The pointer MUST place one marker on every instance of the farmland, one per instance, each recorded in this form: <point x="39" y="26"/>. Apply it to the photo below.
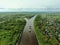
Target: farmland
<point x="47" y="29"/>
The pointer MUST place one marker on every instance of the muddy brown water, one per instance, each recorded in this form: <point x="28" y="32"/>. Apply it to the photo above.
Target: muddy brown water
<point x="28" y="36"/>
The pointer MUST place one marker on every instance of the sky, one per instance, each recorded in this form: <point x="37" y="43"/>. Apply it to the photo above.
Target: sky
<point x="6" y="5"/>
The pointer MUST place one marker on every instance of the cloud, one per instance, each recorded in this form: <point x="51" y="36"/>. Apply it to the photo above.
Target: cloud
<point x="29" y="3"/>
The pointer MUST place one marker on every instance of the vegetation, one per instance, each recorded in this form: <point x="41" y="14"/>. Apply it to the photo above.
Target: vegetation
<point x="11" y="28"/>
<point x="47" y="29"/>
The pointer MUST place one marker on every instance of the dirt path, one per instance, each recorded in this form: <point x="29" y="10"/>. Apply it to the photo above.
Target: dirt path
<point x="28" y="36"/>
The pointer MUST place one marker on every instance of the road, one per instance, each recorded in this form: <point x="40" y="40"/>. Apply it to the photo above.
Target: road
<point x="28" y="36"/>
